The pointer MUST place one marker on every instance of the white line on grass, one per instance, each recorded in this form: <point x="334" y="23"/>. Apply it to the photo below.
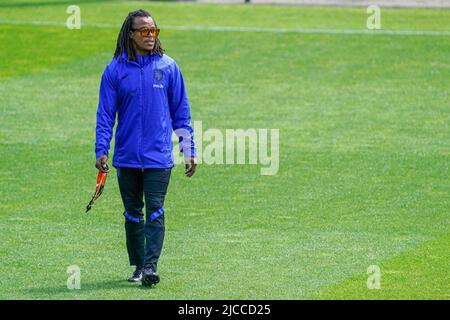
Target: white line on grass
<point x="320" y="31"/>
<point x="247" y="29"/>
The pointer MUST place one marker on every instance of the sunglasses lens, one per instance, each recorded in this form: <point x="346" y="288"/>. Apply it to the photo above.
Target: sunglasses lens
<point x="146" y="32"/>
<point x="154" y="32"/>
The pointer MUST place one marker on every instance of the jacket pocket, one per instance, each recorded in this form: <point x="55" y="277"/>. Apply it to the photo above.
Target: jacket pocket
<point x="129" y="85"/>
<point x="166" y="127"/>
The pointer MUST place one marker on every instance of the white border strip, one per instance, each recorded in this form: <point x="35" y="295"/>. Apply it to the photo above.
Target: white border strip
<point x="248" y="29"/>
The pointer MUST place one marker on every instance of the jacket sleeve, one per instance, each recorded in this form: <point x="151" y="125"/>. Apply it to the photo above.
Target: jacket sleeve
<point x="180" y="112"/>
<point x="106" y="114"/>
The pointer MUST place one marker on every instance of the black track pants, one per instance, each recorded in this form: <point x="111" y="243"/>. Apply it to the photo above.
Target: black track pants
<point x="144" y="239"/>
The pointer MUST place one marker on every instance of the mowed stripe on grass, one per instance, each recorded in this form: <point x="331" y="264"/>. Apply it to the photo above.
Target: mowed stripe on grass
<point x="421" y="273"/>
<point x="244" y="29"/>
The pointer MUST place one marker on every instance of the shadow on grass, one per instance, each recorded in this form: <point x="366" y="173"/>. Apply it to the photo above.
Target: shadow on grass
<point x="92" y="287"/>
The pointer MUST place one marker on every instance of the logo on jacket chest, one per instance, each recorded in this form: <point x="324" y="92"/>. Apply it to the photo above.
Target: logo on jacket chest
<point x="158" y="75"/>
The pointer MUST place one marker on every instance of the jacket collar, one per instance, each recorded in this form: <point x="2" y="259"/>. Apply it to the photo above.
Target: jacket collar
<point x="141" y="60"/>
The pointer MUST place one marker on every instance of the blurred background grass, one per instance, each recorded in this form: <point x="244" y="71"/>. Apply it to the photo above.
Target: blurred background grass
<point x="364" y="155"/>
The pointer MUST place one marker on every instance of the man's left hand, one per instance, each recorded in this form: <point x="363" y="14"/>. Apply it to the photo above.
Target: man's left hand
<point x="190" y="165"/>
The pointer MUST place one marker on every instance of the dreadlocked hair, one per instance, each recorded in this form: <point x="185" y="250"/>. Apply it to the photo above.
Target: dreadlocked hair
<point x="125" y="43"/>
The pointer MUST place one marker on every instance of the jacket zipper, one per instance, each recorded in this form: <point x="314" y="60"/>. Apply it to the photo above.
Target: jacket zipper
<point x="142" y="116"/>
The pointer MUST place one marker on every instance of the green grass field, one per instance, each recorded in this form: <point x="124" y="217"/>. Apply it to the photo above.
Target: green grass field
<point x="364" y="155"/>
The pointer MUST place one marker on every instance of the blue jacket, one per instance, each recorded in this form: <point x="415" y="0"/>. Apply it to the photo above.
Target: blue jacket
<point x="149" y="98"/>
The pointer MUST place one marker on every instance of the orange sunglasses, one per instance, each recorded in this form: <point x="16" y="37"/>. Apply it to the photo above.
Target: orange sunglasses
<point x="144" y="32"/>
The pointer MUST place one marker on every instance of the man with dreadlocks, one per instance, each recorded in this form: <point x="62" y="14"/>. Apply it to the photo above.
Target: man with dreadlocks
<point x="145" y="88"/>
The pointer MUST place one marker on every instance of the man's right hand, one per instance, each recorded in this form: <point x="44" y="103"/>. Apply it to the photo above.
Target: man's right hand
<point x="101" y="165"/>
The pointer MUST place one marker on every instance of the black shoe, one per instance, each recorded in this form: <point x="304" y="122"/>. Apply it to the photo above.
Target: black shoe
<point x="149" y="276"/>
<point x="137" y="275"/>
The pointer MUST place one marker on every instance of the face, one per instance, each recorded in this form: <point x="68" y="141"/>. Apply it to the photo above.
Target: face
<point x="141" y="26"/>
